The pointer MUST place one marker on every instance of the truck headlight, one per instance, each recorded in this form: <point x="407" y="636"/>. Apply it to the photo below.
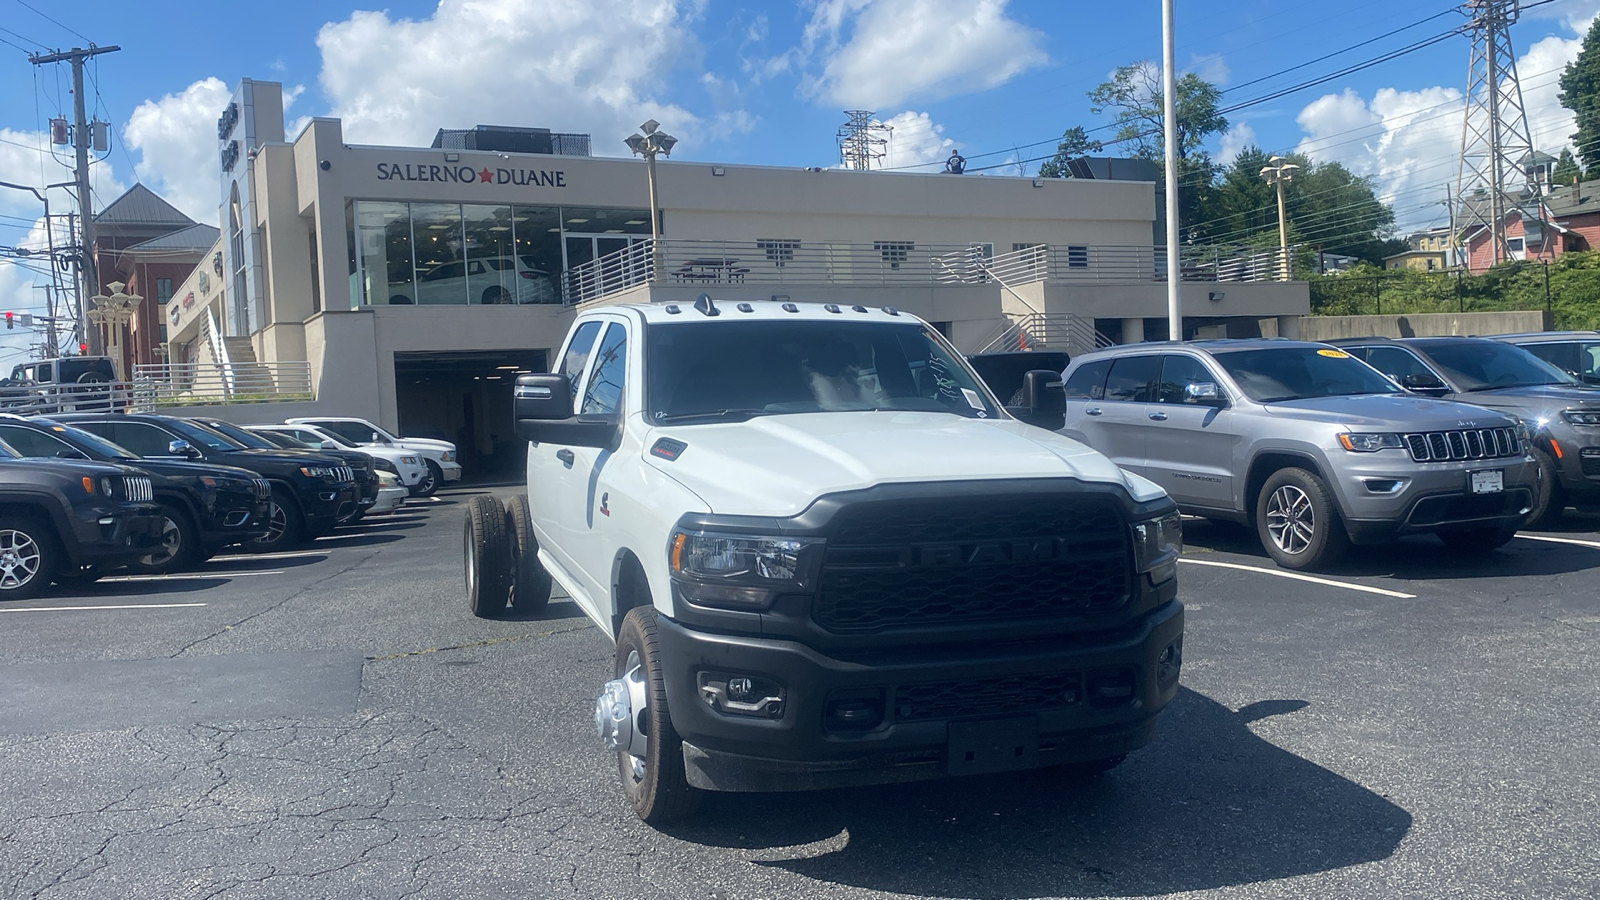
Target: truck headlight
<point x="1581" y="416"/>
<point x="447" y="456"/>
<point x="1370" y="443"/>
<point x="1157" y="544"/>
<point x="737" y="571"/>
<point x="316" y="471"/>
<point x="409" y="460"/>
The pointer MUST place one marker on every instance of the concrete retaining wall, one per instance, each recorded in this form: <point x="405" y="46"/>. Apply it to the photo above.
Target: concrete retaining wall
<point x="1327" y="328"/>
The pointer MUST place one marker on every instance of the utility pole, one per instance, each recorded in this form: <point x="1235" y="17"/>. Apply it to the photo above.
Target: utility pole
<point x="1169" y="123"/>
<point x="1494" y="133"/>
<point x="81" y="139"/>
<point x="1277" y="172"/>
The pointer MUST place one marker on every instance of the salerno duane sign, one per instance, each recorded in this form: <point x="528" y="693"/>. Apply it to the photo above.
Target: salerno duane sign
<point x="456" y="174"/>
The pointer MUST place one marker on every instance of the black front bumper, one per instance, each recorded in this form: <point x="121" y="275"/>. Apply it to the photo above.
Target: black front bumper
<point x="938" y="704"/>
<point x="124" y="538"/>
<point x="327" y="505"/>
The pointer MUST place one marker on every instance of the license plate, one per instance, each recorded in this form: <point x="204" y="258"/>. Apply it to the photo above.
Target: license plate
<point x="1490" y="482"/>
<point x="993" y="745"/>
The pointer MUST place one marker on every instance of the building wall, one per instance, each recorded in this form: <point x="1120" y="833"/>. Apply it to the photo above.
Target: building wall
<point x="1327" y="328"/>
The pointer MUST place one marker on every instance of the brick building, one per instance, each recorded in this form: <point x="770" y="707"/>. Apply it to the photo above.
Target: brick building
<point x="146" y="243"/>
<point x="1565" y="219"/>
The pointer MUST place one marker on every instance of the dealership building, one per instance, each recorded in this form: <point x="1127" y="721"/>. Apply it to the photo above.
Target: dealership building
<point x="409" y="285"/>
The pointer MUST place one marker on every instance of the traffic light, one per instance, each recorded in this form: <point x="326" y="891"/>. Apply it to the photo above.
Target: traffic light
<point x="9" y="324"/>
<point x="83" y="349"/>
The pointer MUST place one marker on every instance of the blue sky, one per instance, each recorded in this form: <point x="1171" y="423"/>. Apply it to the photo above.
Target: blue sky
<point x="744" y="82"/>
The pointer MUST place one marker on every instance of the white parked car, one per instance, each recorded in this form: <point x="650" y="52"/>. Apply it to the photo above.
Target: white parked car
<point x="439" y="456"/>
<point x="391" y="494"/>
<point x="487" y="280"/>
<point x="409" y="465"/>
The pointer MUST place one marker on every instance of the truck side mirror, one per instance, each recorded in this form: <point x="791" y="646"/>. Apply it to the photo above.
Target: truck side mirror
<point x="1203" y="393"/>
<point x="1424" y="382"/>
<point x="327" y="445"/>
<point x="70" y="453"/>
<point x="1044" y="400"/>
<point x="183" y="449"/>
<point x="542" y="407"/>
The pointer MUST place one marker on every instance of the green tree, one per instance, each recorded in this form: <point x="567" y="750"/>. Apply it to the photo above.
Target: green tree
<point x="1580" y="92"/>
<point x="1567" y="169"/>
<point x="1324" y="204"/>
<point x="1075" y="142"/>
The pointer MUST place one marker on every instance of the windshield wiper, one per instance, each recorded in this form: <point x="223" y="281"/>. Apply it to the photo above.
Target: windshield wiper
<point x="716" y="415"/>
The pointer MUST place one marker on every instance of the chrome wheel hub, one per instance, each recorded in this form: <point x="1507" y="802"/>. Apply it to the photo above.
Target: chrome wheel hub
<point x="1291" y="521"/>
<point x="619" y="713"/>
<point x="19" y="559"/>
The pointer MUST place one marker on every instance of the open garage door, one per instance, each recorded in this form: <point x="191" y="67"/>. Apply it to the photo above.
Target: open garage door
<point x="465" y="397"/>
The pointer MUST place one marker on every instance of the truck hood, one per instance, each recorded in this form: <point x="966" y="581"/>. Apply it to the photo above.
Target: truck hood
<point x="1398" y="412"/>
<point x="777" y="465"/>
<point x="246" y="458"/>
<point x="1536" y="397"/>
<point x="425" y="444"/>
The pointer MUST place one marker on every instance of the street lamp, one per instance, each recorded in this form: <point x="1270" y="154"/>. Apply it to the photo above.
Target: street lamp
<point x="647" y="145"/>
<point x="1277" y="173"/>
<point x="114" y="312"/>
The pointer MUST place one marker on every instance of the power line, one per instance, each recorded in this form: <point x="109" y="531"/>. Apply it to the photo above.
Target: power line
<point x="67" y="27"/>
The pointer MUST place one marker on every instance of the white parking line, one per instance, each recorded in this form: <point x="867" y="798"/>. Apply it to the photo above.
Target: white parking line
<point x="117" y="606"/>
<point x="1556" y="540"/>
<point x="1298" y="577"/>
<point x="288" y="554"/>
<point x="187" y="575"/>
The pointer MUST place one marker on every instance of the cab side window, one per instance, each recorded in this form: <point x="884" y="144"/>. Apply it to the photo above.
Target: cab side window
<point x="1562" y="356"/>
<point x="1396" y="363"/>
<point x="145" y="440"/>
<point x="577" y="355"/>
<point x="1132" y="379"/>
<point x="1088" y="381"/>
<point x="32" y="443"/>
<point x="610" y="368"/>
<point x="1177" y="374"/>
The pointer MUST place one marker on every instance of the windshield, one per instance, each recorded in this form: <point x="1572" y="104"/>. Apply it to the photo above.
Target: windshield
<point x="247" y="438"/>
<point x="734" y="370"/>
<point x="356" y="432"/>
<point x="8" y="452"/>
<point x="201" y="436"/>
<point x="1484" y="365"/>
<point x="96" y="444"/>
<point x="1278" y="374"/>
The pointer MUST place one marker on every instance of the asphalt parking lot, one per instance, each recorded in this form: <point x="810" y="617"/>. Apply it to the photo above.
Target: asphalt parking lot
<point x="333" y="722"/>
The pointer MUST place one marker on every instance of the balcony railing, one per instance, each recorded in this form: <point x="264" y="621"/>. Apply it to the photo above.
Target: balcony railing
<point x="779" y="263"/>
<point x="203" y="384"/>
<point x="49" y="399"/>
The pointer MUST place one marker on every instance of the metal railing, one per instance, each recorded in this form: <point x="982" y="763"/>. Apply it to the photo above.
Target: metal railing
<point x="198" y="384"/>
<point x="49" y="399"/>
<point x="1048" y="331"/>
<point x="777" y="263"/>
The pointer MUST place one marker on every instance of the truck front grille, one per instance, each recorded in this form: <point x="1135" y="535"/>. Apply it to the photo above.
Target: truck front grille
<point x="263" y="488"/>
<point x="989" y="696"/>
<point x="138" y="488"/>
<point x="1478" y="443"/>
<point x="933" y="564"/>
<point x="343" y="473"/>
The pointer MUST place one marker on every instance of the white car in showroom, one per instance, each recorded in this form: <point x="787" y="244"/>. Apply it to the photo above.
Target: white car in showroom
<point x="439" y="456"/>
<point x="408" y="465"/>
<point x="487" y="280"/>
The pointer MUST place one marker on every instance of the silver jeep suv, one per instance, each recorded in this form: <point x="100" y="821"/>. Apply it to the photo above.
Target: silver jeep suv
<point x="1311" y="446"/>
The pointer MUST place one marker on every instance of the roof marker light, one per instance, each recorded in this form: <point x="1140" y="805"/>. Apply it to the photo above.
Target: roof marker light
<point x="745" y="307"/>
<point x="831" y="307"/>
<point x="790" y="307"/>
<point x="891" y="311"/>
<point x="859" y="308"/>
<point x="672" y="309"/>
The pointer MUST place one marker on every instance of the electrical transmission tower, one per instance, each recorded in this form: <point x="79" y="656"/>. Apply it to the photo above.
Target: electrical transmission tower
<point x="862" y="141"/>
<point x="1495" y="139"/>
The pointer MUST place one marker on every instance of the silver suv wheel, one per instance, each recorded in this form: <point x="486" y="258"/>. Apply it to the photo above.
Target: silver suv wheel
<point x="1290" y="519"/>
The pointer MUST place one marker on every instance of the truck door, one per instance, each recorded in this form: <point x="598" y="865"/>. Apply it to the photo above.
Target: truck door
<point x="604" y="392"/>
<point x="1189" y="448"/>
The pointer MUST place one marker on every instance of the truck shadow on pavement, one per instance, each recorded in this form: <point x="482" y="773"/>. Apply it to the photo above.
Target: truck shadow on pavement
<point x="1209" y="804"/>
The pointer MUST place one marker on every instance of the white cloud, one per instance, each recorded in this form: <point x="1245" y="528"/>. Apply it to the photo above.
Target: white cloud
<point x="1210" y="67"/>
<point x="915" y="140"/>
<point x="1238" y="136"/>
<point x="570" y="65"/>
<point x="924" y="49"/>
<point x="175" y="137"/>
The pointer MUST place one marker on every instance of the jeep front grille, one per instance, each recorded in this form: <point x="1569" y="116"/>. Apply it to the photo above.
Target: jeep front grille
<point x="343" y="473"/>
<point x="138" y="488"/>
<point x="1483" y="443"/>
<point x="263" y="488"/>
<point x="961" y="562"/>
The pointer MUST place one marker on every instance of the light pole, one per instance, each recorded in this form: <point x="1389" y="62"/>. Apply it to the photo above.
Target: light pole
<point x="114" y="312"/>
<point x="647" y="145"/>
<point x="1169" y="128"/>
<point x="1280" y="171"/>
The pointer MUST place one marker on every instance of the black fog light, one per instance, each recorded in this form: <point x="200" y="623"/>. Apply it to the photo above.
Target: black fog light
<point x="734" y="694"/>
<point x="1170" y="661"/>
<point x="1110" y="687"/>
<point x="854" y="711"/>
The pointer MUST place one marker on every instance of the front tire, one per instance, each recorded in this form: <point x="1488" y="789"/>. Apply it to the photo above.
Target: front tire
<point x="655" y="785"/>
<point x="430" y="482"/>
<point x="1549" y="500"/>
<point x="530" y="583"/>
<point x="180" y="545"/>
<point x="486" y="552"/>
<point x="285" y="526"/>
<point x="1298" y="522"/>
<point x="28" y="558"/>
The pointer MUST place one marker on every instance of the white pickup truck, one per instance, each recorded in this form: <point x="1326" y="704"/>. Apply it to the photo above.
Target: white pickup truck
<point x="828" y="556"/>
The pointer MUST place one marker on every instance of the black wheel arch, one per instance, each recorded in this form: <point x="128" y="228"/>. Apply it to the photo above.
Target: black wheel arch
<point x="1266" y="463"/>
<point x="49" y="518"/>
<point x="630" y="587"/>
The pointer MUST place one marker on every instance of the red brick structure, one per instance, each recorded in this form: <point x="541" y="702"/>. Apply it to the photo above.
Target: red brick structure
<point x="146" y="243"/>
<point x="1566" y="219"/>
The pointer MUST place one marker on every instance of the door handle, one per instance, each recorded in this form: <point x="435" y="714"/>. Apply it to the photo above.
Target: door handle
<point x="1092" y="411"/>
<point x="1159" y="416"/>
<point x="566" y="457"/>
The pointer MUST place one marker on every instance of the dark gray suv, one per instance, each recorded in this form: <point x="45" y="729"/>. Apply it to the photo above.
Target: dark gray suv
<point x="1303" y="442"/>
<point x="1575" y="352"/>
<point x="1561" y="413"/>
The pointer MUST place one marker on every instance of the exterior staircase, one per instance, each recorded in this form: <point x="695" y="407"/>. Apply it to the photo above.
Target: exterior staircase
<point x="1049" y="331"/>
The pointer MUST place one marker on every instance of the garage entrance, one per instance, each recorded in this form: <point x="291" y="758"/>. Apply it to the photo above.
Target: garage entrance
<point x="465" y="397"/>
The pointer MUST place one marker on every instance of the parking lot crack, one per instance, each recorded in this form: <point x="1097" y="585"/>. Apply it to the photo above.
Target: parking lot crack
<point x="275" y="606"/>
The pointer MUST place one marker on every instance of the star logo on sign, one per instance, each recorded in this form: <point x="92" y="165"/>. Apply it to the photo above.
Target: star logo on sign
<point x="484" y="175"/>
